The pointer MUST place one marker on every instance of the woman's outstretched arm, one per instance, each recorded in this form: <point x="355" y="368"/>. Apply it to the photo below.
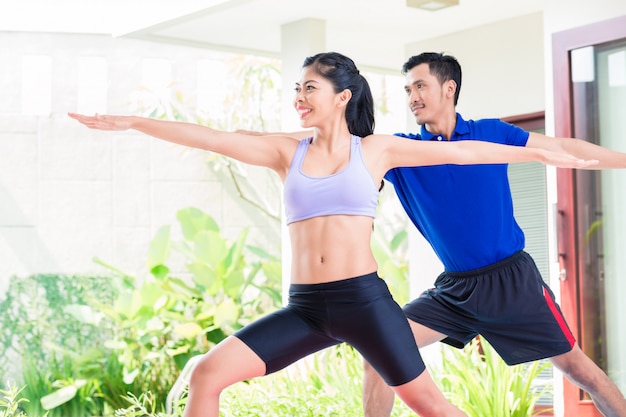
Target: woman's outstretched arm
<point x="581" y="148"/>
<point x="402" y="152"/>
<point x="272" y="152"/>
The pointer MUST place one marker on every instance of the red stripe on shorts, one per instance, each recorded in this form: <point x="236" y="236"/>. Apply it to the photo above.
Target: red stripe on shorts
<point x="559" y="318"/>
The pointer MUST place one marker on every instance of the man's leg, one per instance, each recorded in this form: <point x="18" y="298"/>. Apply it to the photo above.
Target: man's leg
<point x="423" y="396"/>
<point x="585" y="374"/>
<point x="378" y="398"/>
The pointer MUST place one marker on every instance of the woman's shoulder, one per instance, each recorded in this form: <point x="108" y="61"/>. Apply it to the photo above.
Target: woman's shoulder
<point x="379" y="140"/>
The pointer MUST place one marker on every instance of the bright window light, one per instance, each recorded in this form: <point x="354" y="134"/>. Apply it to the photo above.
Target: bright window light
<point x="36" y="84"/>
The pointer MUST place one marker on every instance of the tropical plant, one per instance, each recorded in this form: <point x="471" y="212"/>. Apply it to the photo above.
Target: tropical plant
<point x="159" y="322"/>
<point x="479" y="382"/>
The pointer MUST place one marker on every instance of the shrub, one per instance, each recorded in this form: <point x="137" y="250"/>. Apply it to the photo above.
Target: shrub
<point x="479" y="382"/>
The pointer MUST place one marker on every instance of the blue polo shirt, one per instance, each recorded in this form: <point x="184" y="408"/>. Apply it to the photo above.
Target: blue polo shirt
<point x="464" y="211"/>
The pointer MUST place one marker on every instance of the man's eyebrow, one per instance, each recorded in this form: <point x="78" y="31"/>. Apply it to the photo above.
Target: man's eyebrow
<point x="415" y="82"/>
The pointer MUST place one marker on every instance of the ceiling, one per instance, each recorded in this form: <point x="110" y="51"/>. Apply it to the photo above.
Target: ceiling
<point x="372" y="32"/>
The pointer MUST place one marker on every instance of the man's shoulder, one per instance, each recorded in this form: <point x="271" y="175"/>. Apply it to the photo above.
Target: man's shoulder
<point x="496" y="130"/>
<point x="486" y="122"/>
<point x="489" y="125"/>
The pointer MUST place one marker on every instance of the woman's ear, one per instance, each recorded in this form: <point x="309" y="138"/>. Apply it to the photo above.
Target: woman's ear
<point x="344" y="97"/>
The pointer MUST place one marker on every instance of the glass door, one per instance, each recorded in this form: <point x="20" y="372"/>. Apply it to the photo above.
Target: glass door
<point x="592" y="204"/>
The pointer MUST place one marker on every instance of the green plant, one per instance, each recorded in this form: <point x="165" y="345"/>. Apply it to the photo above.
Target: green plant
<point x="143" y="406"/>
<point x="34" y="311"/>
<point x="10" y="401"/>
<point x="479" y="382"/>
<point x="43" y="331"/>
<point x="327" y="383"/>
<point x="392" y="264"/>
<point x="160" y="321"/>
<point x="68" y="387"/>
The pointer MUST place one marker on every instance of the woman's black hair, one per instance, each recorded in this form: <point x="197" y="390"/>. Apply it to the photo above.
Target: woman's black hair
<point x="343" y="74"/>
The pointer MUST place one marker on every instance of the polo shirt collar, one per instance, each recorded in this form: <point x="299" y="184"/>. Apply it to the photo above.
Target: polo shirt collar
<point x="461" y="128"/>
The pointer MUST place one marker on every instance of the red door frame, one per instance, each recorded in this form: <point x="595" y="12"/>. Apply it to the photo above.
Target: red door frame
<point x="562" y="44"/>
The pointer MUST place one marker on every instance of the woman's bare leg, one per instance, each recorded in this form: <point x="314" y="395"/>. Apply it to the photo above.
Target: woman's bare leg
<point x="424" y="397"/>
<point x="378" y="398"/>
<point x="229" y="362"/>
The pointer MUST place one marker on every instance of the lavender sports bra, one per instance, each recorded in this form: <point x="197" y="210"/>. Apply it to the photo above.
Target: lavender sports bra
<point x="351" y="191"/>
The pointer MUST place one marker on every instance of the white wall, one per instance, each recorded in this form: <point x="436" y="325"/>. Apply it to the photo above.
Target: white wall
<point x="502" y="65"/>
<point x="68" y="194"/>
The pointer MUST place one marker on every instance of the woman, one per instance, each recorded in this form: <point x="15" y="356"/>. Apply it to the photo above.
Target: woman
<point x="330" y="190"/>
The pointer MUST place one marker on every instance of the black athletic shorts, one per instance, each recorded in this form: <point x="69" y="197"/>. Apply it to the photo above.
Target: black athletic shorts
<point x="507" y="303"/>
<point x="359" y="311"/>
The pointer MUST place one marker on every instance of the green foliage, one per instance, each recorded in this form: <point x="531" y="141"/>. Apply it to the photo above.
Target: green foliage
<point x="95" y="343"/>
<point x="392" y="264"/>
<point x="142" y="406"/>
<point x="42" y="332"/>
<point x="479" y="382"/>
<point x="34" y="310"/>
<point x="162" y="320"/>
<point x="10" y="402"/>
<point x="326" y="384"/>
<point x="56" y="392"/>
<point x="53" y="339"/>
<point x="475" y="379"/>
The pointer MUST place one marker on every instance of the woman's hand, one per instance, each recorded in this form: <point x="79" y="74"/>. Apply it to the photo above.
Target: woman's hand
<point x="564" y="160"/>
<point x="103" y="122"/>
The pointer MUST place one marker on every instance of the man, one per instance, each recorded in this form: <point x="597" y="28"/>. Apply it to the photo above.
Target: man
<point x="466" y="214"/>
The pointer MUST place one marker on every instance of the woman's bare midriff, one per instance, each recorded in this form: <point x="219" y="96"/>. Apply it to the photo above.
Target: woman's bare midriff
<point x="331" y="248"/>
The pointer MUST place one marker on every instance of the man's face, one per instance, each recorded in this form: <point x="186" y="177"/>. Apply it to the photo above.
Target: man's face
<point x="427" y="98"/>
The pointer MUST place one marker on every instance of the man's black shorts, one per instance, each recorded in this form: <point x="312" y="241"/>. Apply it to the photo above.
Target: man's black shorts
<point x="508" y="303"/>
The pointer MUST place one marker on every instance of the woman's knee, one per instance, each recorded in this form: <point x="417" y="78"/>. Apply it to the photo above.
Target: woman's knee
<point x="229" y="362"/>
<point x="424" y="397"/>
<point x="367" y="367"/>
<point x="205" y="376"/>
